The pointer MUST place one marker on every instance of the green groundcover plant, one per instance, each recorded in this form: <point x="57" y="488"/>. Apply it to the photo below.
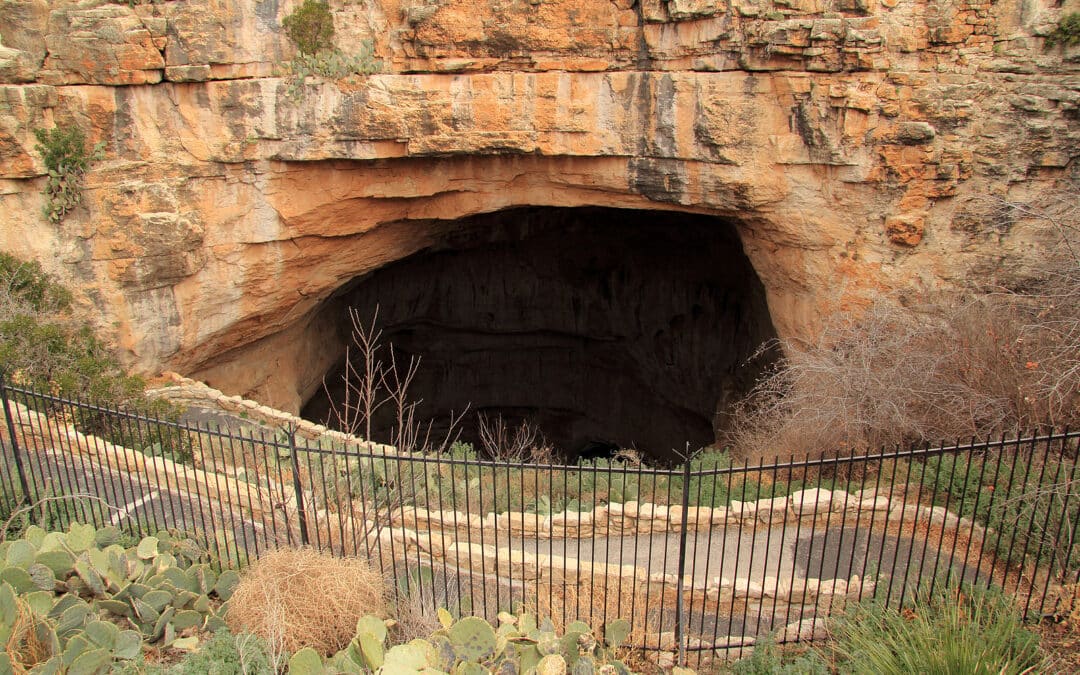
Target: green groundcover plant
<point x="954" y="629"/>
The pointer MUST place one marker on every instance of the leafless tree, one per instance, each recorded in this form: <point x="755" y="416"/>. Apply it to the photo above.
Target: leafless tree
<point x="522" y="443"/>
<point x="370" y="382"/>
<point x="363" y="377"/>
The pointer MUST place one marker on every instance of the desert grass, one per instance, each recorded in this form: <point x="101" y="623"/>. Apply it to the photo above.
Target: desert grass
<point x="295" y="598"/>
<point x="413" y="617"/>
<point x="25" y="646"/>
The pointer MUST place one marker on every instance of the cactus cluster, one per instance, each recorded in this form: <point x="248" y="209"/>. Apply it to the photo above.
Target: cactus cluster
<point x="520" y="645"/>
<point x="84" y="602"/>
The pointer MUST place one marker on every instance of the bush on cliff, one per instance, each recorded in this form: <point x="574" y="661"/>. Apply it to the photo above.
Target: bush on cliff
<point x="45" y="347"/>
<point x="67" y="159"/>
<point x="41" y="345"/>
<point x="310" y="27"/>
<point x="1067" y="32"/>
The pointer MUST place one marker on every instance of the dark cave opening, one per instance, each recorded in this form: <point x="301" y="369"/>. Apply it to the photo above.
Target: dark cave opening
<point x="601" y="327"/>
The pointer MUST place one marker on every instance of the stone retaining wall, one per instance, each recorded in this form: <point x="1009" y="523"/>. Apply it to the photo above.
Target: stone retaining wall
<point x="460" y="541"/>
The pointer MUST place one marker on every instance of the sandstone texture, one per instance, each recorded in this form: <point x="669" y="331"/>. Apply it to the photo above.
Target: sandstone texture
<point x="856" y="144"/>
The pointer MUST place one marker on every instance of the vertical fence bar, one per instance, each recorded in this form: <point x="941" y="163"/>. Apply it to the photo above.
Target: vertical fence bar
<point x="313" y="524"/>
<point x="861" y="466"/>
<point x="694" y="565"/>
<point x="495" y="512"/>
<point x="987" y="530"/>
<point x="866" y="561"/>
<point x="480" y="514"/>
<point x="19" y="468"/>
<point x="1033" y="529"/>
<point x="8" y="498"/>
<point x="567" y="614"/>
<point x="680" y="626"/>
<point x="35" y="454"/>
<point x="610" y="531"/>
<point x="1058" y="477"/>
<point x="980" y="483"/>
<point x="538" y="526"/>
<point x="768" y="547"/>
<point x="797" y="515"/>
<point x="1012" y="486"/>
<point x="458" y="569"/>
<point x="280" y="483"/>
<point x="945" y="518"/>
<point x="1070" y="481"/>
<point x="592" y="540"/>
<point x="801" y="514"/>
<point x="62" y="466"/>
<point x="298" y="488"/>
<point x="468" y="539"/>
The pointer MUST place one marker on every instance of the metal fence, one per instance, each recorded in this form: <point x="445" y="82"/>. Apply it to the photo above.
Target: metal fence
<point x="700" y="558"/>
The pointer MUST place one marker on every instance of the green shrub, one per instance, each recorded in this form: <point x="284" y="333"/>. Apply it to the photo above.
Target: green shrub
<point x="27" y="283"/>
<point x="310" y="27"/>
<point x="954" y="630"/>
<point x="66" y="159"/>
<point x="226" y="654"/>
<point x="43" y="347"/>
<point x="1067" y="32"/>
<point x="1024" y="504"/>
<point x="768" y="659"/>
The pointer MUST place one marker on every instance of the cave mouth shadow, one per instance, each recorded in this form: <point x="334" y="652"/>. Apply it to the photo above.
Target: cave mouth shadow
<point x="605" y="328"/>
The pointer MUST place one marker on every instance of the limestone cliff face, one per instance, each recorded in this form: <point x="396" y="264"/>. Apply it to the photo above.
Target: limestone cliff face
<point x="850" y="140"/>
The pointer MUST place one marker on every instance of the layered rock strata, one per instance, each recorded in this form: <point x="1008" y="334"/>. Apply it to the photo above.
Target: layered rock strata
<point x="857" y="145"/>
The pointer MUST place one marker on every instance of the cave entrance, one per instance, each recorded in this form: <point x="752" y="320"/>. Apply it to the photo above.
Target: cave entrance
<point x="603" y="328"/>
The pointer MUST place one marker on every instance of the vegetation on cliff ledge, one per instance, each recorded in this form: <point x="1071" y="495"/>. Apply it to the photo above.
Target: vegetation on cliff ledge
<point x="311" y="27"/>
<point x="67" y="159"/>
<point x="1067" y="32"/>
<point x="42" y="345"/>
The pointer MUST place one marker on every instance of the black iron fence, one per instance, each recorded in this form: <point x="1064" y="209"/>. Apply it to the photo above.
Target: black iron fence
<point x="701" y="558"/>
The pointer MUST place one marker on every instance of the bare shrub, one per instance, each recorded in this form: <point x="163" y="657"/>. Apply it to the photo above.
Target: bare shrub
<point x="414" y="617"/>
<point x="519" y="444"/>
<point x="985" y="362"/>
<point x="296" y="598"/>
<point x="362" y="378"/>
<point x="371" y="382"/>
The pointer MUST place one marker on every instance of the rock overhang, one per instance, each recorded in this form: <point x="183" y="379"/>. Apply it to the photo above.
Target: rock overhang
<point x="849" y="141"/>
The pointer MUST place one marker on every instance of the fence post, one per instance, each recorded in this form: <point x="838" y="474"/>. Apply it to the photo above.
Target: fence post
<point x="15" y="444"/>
<point x="680" y="614"/>
<point x="298" y="489"/>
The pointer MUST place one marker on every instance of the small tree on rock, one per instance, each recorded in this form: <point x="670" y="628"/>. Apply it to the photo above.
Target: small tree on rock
<point x="310" y="27"/>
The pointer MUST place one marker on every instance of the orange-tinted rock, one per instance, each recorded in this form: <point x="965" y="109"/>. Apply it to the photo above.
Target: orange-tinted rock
<point x="100" y="45"/>
<point x="905" y="229"/>
<point x="228" y="209"/>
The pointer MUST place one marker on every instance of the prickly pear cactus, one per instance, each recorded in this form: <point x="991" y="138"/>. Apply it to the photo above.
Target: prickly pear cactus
<point x="92" y="603"/>
<point x="473" y="639"/>
<point x="520" y="645"/>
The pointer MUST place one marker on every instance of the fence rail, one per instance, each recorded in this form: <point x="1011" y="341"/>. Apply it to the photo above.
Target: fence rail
<point x="701" y="558"/>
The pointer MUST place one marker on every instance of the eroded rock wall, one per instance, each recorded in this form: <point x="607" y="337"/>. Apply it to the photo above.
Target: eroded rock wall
<point x="853" y="142"/>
